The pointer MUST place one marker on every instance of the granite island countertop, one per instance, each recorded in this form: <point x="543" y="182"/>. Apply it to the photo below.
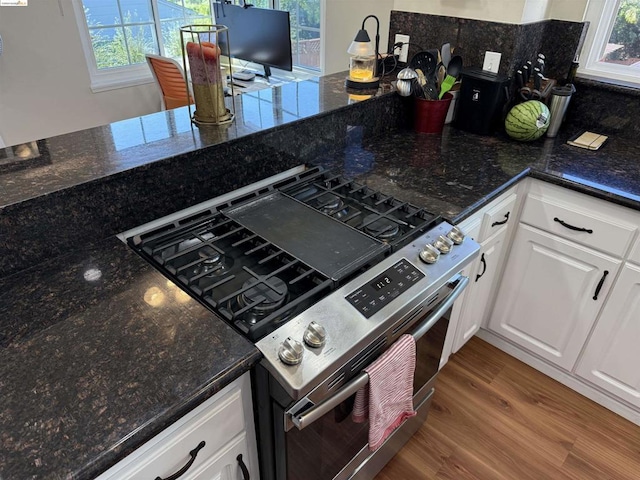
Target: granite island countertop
<point x="98" y="352"/>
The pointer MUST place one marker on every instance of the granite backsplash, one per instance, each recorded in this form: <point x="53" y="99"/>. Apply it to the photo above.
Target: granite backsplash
<point x="560" y="41"/>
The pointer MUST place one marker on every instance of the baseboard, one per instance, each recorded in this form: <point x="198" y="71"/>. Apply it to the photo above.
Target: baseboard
<point x="566" y="378"/>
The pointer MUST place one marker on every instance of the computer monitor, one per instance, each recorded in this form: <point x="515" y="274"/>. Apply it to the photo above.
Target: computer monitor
<point x="257" y="35"/>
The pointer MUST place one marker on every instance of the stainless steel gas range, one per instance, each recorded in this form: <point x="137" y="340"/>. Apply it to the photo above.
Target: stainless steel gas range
<point x="323" y="274"/>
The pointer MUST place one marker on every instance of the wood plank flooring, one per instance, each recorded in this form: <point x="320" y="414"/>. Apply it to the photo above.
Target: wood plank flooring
<point x="495" y="418"/>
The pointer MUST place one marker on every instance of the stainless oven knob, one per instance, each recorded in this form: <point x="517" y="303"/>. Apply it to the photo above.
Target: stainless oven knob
<point x="429" y="254"/>
<point x="443" y="244"/>
<point x="290" y="351"/>
<point x="456" y="235"/>
<point x="315" y="335"/>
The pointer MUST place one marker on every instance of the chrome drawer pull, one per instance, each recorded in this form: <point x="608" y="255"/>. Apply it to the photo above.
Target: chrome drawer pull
<point x="571" y="227"/>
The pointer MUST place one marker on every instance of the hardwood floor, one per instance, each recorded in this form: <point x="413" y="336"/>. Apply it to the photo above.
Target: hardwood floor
<point x="495" y="418"/>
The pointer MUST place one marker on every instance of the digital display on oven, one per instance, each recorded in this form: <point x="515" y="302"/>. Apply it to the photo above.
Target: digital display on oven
<point x="373" y="296"/>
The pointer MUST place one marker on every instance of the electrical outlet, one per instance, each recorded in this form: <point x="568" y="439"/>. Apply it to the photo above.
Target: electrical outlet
<point x="492" y="61"/>
<point x="404" y="50"/>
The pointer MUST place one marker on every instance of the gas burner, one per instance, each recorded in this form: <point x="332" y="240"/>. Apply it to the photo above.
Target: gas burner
<point x="330" y="204"/>
<point x="212" y="263"/>
<point x="382" y="228"/>
<point x="267" y="295"/>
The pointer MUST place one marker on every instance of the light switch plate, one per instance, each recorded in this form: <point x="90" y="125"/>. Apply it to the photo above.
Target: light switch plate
<point x="492" y="61"/>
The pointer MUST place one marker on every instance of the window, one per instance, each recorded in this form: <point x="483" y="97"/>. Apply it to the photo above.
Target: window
<point x="612" y="48"/>
<point x="116" y="34"/>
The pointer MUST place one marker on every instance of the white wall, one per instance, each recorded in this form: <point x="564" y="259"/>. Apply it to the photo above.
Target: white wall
<point x="343" y="19"/>
<point x="44" y="81"/>
<point x="505" y="11"/>
<point x="569" y="10"/>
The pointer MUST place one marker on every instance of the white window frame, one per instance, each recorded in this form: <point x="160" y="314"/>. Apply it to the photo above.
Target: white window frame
<point x="602" y="14"/>
<point x="108" y="78"/>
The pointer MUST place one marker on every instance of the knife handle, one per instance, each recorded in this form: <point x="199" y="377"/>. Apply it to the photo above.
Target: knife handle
<point x="519" y="79"/>
<point x="537" y="81"/>
<point x="525" y="74"/>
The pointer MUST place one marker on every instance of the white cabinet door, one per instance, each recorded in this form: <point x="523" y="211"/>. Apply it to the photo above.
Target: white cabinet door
<point x="612" y="357"/>
<point x="482" y="282"/>
<point x="547" y="301"/>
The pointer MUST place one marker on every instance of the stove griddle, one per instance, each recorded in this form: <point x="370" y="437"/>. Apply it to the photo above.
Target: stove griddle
<point x="325" y="244"/>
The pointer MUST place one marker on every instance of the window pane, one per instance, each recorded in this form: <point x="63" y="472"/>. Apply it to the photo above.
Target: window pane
<point x="101" y="12"/>
<point x="261" y="3"/>
<point x="623" y="46"/>
<point x="136" y="10"/>
<point x="183" y="9"/>
<point x="141" y="39"/>
<point x="171" y="38"/>
<point x="109" y="47"/>
<point x="305" y="31"/>
<point x="306" y="48"/>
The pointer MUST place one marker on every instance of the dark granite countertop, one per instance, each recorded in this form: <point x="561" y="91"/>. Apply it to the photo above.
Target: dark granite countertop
<point x="455" y="173"/>
<point x="98" y="352"/>
<point x="102" y="353"/>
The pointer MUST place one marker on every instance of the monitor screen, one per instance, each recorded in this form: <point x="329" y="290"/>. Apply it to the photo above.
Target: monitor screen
<point x="257" y="35"/>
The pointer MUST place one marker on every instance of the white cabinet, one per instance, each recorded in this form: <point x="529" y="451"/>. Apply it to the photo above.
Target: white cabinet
<point x="611" y="359"/>
<point x="482" y="281"/>
<point x="215" y="439"/>
<point x="488" y="227"/>
<point x="551" y="293"/>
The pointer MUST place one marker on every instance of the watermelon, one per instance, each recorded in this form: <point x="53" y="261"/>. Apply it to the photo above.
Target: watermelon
<point x="527" y="121"/>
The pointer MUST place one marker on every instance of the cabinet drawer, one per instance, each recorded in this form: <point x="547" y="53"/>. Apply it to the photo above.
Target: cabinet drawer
<point x="635" y="253"/>
<point x="216" y="422"/>
<point x="580" y="218"/>
<point x="497" y="217"/>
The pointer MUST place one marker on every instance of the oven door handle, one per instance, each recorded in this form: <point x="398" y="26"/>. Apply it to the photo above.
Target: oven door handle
<point x="309" y="416"/>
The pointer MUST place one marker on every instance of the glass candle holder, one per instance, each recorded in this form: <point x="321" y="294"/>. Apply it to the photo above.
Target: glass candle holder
<point x="362" y="68"/>
<point x="200" y="46"/>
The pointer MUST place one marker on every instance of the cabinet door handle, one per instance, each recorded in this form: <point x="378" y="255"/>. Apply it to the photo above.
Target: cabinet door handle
<point x="243" y="467"/>
<point x="506" y="219"/>
<point x="599" y="287"/>
<point x="571" y="227"/>
<point x="184" y="469"/>
<point x="484" y="267"/>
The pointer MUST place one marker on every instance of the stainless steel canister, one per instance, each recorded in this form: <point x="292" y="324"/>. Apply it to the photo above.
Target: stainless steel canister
<point x="560" y="98"/>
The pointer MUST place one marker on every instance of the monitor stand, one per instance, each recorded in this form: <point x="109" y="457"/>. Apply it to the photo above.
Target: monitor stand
<point x="267" y="72"/>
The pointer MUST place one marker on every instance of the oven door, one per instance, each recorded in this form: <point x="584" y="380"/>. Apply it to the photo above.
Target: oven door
<point x="326" y="443"/>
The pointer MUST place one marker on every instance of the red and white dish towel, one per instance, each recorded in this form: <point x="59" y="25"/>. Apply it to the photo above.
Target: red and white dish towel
<point x="387" y="400"/>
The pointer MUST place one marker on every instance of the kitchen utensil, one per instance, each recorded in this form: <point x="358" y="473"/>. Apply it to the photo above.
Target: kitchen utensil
<point x="519" y="79"/>
<point x="425" y="61"/>
<point x="431" y="88"/>
<point x="445" y="53"/>
<point x="441" y="74"/>
<point x="526" y="73"/>
<point x="455" y="66"/>
<point x="446" y="85"/>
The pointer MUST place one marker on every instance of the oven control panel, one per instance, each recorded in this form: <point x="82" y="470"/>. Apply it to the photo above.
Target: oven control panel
<point x="379" y="292"/>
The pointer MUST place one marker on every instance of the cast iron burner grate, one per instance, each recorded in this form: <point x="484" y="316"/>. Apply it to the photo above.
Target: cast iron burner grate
<point x="381" y="216"/>
<point x="247" y="280"/>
